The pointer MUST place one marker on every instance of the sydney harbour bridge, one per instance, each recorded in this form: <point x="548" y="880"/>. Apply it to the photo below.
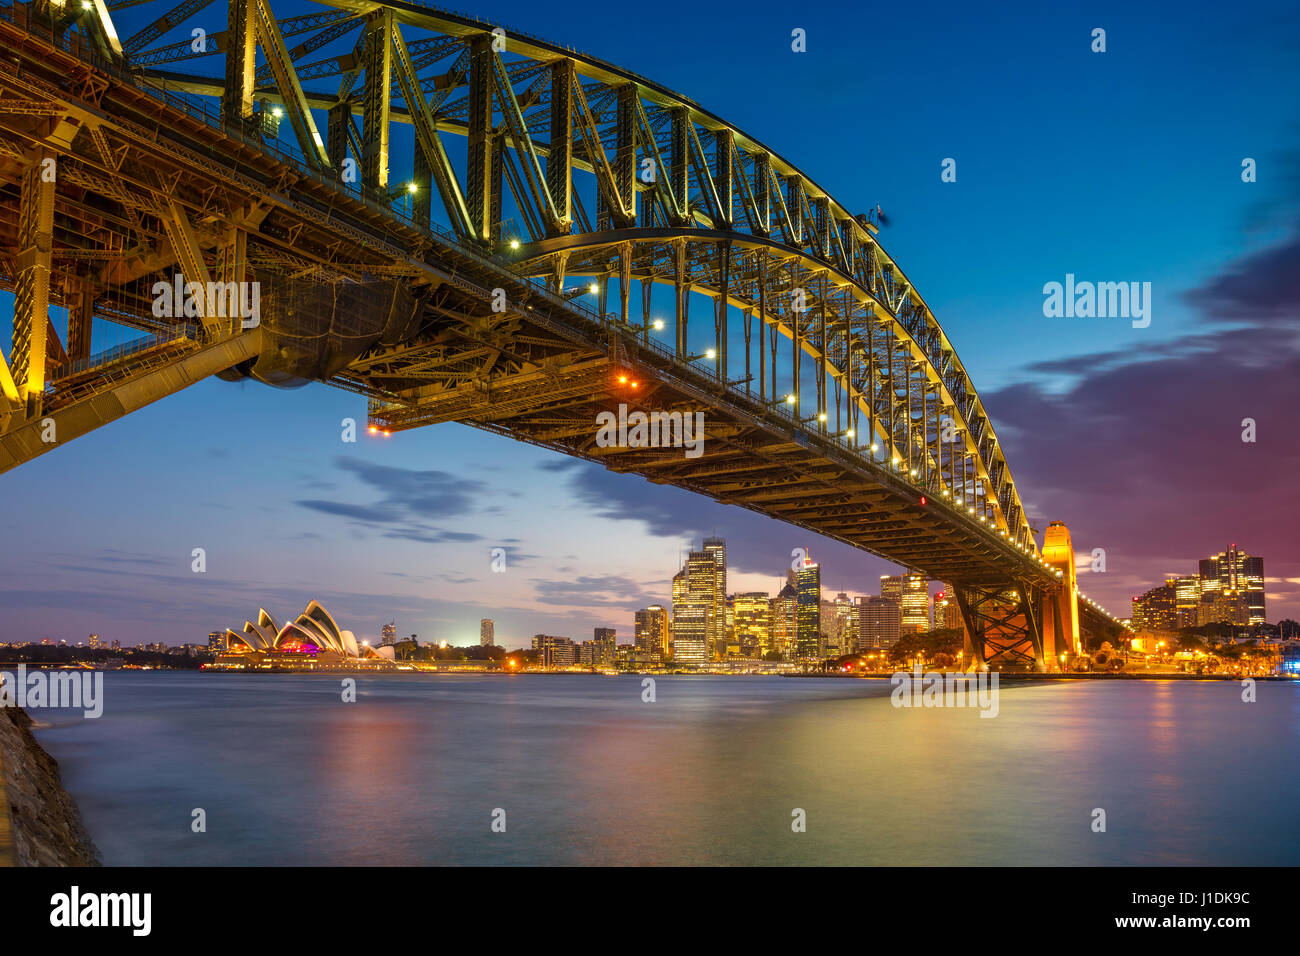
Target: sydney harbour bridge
<point x="464" y="223"/>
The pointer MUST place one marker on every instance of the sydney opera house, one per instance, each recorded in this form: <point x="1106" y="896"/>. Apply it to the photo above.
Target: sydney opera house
<point x="313" y="639"/>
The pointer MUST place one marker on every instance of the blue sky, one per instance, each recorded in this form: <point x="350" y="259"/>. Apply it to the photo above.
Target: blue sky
<point x="1116" y="166"/>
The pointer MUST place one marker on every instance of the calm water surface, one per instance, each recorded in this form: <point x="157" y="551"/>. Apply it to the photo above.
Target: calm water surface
<point x="709" y="773"/>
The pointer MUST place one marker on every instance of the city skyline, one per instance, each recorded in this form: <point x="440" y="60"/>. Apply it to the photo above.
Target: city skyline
<point x="1093" y="413"/>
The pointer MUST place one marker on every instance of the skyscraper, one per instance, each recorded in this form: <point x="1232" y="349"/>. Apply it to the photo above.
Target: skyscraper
<point x="693" y="630"/>
<point x="1187" y="599"/>
<point x="808" y="617"/>
<point x="753" y="623"/>
<point x="1155" y="610"/>
<point x="606" y="647"/>
<point x="912" y="592"/>
<point x="651" y="635"/>
<point x="785" y="621"/>
<point x="94" y="640"/>
<point x="947" y="614"/>
<point x="690" y="631"/>
<point x="1236" y="571"/>
<point x="879" y="622"/>
<point x="487" y="632"/>
<point x="839" y="626"/>
<point x="388" y="633"/>
<point x="717" y="547"/>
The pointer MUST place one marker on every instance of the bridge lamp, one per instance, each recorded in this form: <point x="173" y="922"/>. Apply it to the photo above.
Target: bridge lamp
<point x="412" y="188"/>
<point x="848" y="433"/>
<point x="657" y="324"/>
<point x="710" y="354"/>
<point x="594" y="288"/>
<point x="790" y="399"/>
<point x="821" y="417"/>
<point x="875" y="447"/>
<point x="372" y="429"/>
<point x="514" y="243"/>
<point x="276" y="111"/>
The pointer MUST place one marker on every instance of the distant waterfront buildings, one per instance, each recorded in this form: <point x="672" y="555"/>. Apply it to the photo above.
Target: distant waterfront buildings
<point x="1156" y="610"/>
<point x="216" y="642"/>
<point x="94" y="640"/>
<point x="839" y="626"/>
<point x="487" y="632"/>
<point x="388" y="634"/>
<point x="555" y="651"/>
<point x="1228" y="588"/>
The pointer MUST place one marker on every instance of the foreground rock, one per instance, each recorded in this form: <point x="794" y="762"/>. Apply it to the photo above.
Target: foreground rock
<point x="46" y="826"/>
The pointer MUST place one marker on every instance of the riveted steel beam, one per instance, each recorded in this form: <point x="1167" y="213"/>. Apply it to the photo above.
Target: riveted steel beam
<point x="32" y="288"/>
<point x="286" y="80"/>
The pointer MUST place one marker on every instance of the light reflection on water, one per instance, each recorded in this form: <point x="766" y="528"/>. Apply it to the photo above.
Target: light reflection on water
<point x="709" y="773"/>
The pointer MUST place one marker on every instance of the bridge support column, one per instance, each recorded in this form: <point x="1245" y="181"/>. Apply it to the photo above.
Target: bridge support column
<point x="1061" y="639"/>
<point x="1003" y="625"/>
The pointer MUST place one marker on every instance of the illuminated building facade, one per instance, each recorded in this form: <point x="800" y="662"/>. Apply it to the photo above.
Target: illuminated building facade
<point x="1187" y="599"/>
<point x="785" y="621"/>
<point x="693" y="608"/>
<point x="808" y="613"/>
<point x="314" y="634"/>
<point x="752" y="617"/>
<point x="1236" y="571"/>
<point x="912" y="593"/>
<point x="717" y="595"/>
<point x="651" y="631"/>
<point x="487" y="632"/>
<point x="555" y="651"/>
<point x="1156" y="610"/>
<point x="605" y="647"/>
<point x="880" y="622"/>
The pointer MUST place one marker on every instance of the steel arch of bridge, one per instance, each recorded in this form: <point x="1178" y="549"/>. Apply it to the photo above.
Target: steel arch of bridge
<point x="535" y="116"/>
<point x="571" y="167"/>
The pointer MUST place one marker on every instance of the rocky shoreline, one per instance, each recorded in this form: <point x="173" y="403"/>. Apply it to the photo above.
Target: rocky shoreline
<point x="45" y="824"/>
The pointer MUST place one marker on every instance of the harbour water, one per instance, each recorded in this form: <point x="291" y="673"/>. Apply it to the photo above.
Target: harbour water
<point x="711" y="772"/>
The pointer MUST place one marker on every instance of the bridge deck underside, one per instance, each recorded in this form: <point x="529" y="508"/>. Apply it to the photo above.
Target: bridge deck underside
<point x="509" y="374"/>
